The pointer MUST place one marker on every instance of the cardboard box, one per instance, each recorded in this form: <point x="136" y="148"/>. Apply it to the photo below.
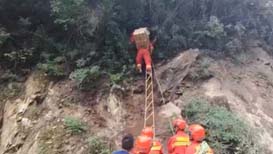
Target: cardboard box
<point x="141" y="37"/>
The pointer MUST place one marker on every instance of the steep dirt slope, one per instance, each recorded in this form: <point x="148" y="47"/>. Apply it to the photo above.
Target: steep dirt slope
<point x="244" y="85"/>
<point x="33" y="122"/>
<point x="248" y="88"/>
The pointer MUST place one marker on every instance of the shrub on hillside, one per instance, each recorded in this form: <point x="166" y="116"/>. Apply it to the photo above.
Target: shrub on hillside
<point x="86" y="78"/>
<point x="74" y="125"/>
<point x="226" y="132"/>
<point x="19" y="58"/>
<point x="97" y="146"/>
<point x="66" y="11"/>
<point x="116" y="78"/>
<point x="53" y="68"/>
<point x="3" y="36"/>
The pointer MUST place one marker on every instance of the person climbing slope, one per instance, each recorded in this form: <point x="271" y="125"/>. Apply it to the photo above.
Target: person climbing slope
<point x="144" y="48"/>
<point x="178" y="143"/>
<point x="198" y="145"/>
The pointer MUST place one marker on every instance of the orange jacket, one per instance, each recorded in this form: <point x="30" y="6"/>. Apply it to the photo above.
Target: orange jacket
<point x="194" y="148"/>
<point x="178" y="143"/>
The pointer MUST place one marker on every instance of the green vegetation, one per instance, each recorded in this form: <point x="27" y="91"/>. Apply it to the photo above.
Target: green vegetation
<point x="53" y="68"/>
<point x="3" y="36"/>
<point x="86" y="78"/>
<point x="75" y="126"/>
<point x="226" y="132"/>
<point x="97" y="146"/>
<point x="116" y="78"/>
<point x="62" y="36"/>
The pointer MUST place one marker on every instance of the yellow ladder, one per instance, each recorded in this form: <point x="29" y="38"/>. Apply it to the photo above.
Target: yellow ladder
<point x="149" y="119"/>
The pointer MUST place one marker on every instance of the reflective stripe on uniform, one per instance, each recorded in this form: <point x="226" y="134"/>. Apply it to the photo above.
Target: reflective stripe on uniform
<point x="154" y="148"/>
<point x="181" y="141"/>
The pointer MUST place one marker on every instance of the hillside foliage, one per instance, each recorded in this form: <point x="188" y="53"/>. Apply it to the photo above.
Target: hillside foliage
<point x="226" y="132"/>
<point x="64" y="35"/>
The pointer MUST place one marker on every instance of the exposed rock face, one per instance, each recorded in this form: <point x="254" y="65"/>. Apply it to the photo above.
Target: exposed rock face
<point x="169" y="110"/>
<point x="173" y="73"/>
<point x="34" y="121"/>
<point x="248" y="89"/>
<point x="16" y="127"/>
<point x="245" y="88"/>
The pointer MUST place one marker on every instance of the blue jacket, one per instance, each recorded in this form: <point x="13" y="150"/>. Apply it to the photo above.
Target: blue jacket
<point x="120" y="152"/>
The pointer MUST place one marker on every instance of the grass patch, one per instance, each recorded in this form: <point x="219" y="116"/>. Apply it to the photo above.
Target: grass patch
<point x="51" y="140"/>
<point x="74" y="125"/>
<point x="86" y="78"/>
<point x="226" y="132"/>
<point x="97" y="146"/>
<point x="116" y="78"/>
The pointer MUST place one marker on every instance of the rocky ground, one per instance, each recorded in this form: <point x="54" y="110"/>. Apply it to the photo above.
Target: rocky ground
<point x="33" y="121"/>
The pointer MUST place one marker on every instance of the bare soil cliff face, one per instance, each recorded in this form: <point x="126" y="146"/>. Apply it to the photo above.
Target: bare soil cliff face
<point x="33" y="122"/>
<point x="243" y="85"/>
<point x="248" y="88"/>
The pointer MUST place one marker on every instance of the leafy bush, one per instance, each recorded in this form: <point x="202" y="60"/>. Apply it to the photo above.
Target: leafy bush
<point x="213" y="36"/>
<point x="3" y="36"/>
<point x="53" y="68"/>
<point x="97" y="146"/>
<point x="7" y="77"/>
<point x="116" y="78"/>
<point x="19" y="58"/>
<point x="226" y="133"/>
<point x="67" y="12"/>
<point x="91" y="32"/>
<point x="74" y="125"/>
<point x="86" y="78"/>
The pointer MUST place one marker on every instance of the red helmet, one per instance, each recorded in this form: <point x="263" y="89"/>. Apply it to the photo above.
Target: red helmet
<point x="148" y="131"/>
<point x="143" y="144"/>
<point x="179" y="124"/>
<point x="197" y="132"/>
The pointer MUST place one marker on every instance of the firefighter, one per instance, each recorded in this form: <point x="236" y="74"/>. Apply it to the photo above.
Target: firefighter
<point x="156" y="148"/>
<point x="143" y="54"/>
<point x="148" y="131"/>
<point x="144" y="142"/>
<point x="178" y="143"/>
<point x="143" y="145"/>
<point x="198" y="145"/>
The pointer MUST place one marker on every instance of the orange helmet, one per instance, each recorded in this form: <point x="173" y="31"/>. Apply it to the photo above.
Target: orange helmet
<point x="143" y="144"/>
<point x="197" y="132"/>
<point x="179" y="124"/>
<point x="148" y="131"/>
